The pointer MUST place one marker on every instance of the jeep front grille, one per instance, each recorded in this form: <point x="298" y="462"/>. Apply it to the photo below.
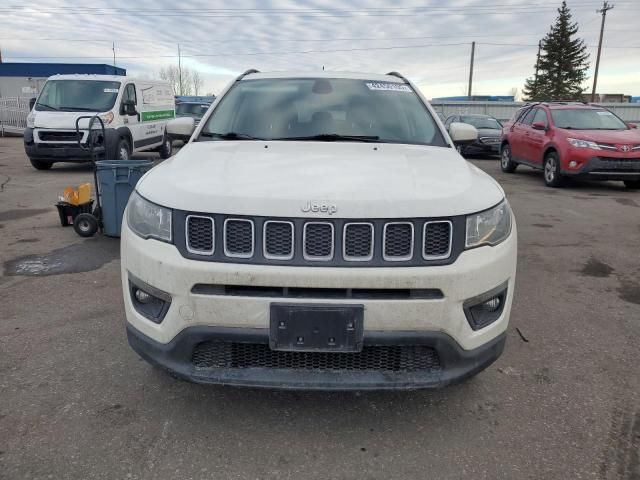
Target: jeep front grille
<point x="278" y="240"/>
<point x="325" y="242"/>
<point x="238" y="238"/>
<point x="398" y="241"/>
<point x="200" y="235"/>
<point x="395" y="358"/>
<point x="357" y="242"/>
<point x="437" y="240"/>
<point x="318" y="240"/>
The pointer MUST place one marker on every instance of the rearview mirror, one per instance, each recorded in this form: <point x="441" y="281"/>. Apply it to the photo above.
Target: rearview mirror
<point x="632" y="125"/>
<point x="462" y="133"/>
<point x="32" y="102"/>
<point x="129" y="107"/>
<point x="538" y="126"/>
<point x="181" y="128"/>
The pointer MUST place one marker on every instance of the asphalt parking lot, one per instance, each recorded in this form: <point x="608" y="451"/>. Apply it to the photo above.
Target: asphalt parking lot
<point x="562" y="402"/>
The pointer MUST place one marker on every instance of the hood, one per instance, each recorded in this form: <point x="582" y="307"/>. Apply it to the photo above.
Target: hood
<point x="489" y="132"/>
<point x="64" y="120"/>
<point x="361" y="180"/>
<point x="616" y="137"/>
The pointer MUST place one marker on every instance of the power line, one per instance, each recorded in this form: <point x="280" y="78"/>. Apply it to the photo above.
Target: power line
<point x="296" y="40"/>
<point x="295" y="52"/>
<point x="317" y="13"/>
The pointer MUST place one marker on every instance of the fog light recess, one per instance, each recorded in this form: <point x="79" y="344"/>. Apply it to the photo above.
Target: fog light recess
<point x="485" y="309"/>
<point x="148" y="301"/>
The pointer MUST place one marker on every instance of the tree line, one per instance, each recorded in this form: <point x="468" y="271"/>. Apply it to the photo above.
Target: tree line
<point x="184" y="81"/>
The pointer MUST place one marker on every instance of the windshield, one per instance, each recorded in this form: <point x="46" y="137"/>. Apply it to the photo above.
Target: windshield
<point x="194" y="109"/>
<point x="587" y="119"/>
<point x="323" y="109"/>
<point x="482" y="122"/>
<point x="78" y="95"/>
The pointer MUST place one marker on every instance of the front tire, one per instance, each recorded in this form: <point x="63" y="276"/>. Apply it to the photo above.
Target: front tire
<point x="507" y="165"/>
<point x="167" y="148"/>
<point x="632" y="184"/>
<point x="40" y="165"/>
<point x="552" y="176"/>
<point x="123" y="150"/>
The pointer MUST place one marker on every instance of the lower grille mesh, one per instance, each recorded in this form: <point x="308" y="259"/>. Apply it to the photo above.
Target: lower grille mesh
<point x="406" y="358"/>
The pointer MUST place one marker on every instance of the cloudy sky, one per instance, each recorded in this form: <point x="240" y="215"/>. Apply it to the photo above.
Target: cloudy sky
<point x="428" y="41"/>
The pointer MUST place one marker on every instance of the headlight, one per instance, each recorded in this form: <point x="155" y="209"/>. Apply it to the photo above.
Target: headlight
<point x="147" y="219"/>
<point x="31" y="120"/>
<point x="576" y="142"/>
<point x="489" y="227"/>
<point x="107" y="118"/>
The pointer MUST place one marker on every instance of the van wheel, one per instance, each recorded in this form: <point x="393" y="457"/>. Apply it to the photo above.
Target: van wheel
<point x="552" y="176"/>
<point x="506" y="164"/>
<point x="166" y="149"/>
<point x="123" y="150"/>
<point x="39" y="165"/>
<point x="632" y="184"/>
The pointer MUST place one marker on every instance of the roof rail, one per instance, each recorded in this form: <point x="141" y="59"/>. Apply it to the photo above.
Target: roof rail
<point x="400" y="76"/>
<point x="248" y="72"/>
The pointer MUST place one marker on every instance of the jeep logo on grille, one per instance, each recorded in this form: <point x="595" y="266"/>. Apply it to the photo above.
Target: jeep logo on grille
<point x="316" y="207"/>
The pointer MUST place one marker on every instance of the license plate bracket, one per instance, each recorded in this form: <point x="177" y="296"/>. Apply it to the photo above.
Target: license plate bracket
<point x="316" y="327"/>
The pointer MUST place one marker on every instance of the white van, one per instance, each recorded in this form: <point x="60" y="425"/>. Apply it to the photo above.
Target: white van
<point x="134" y="112"/>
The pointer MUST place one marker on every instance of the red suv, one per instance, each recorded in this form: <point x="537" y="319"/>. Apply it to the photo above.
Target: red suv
<point x="572" y="140"/>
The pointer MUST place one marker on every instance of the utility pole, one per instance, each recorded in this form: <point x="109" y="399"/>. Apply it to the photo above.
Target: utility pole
<point x="179" y="69"/>
<point x="535" y="78"/>
<point x="473" y="51"/>
<point x="606" y="6"/>
<point x="113" y="47"/>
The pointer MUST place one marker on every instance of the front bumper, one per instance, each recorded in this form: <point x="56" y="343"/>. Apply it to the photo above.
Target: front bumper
<point x="620" y="167"/>
<point x="195" y="316"/>
<point x="479" y="147"/>
<point x="60" y="151"/>
<point x="454" y="363"/>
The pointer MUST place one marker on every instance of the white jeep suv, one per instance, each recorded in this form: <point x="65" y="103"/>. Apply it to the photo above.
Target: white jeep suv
<point x="319" y="231"/>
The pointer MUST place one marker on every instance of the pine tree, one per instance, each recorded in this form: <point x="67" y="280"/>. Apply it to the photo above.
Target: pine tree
<point x="562" y="65"/>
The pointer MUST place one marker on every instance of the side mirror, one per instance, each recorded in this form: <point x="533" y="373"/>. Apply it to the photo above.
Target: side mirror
<point x="462" y="133"/>
<point x="632" y="125"/>
<point x="32" y="102"/>
<point x="181" y="128"/>
<point x="538" y="126"/>
<point x="129" y="107"/>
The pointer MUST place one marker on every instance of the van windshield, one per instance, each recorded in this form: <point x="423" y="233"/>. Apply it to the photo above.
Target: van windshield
<point x="197" y="109"/>
<point x="78" y="96"/>
<point x="323" y="109"/>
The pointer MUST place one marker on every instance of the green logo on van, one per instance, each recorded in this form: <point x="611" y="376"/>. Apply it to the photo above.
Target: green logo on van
<point x="159" y="115"/>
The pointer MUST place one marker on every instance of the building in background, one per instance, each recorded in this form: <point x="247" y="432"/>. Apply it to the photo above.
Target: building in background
<point x="26" y="79"/>
<point x="608" y="98"/>
<point x="476" y="98"/>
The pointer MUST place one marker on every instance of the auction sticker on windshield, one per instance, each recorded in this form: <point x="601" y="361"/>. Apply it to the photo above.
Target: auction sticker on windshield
<point x="394" y="87"/>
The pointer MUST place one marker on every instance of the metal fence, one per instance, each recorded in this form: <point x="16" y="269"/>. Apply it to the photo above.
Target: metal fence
<point x="13" y="115"/>
<point x="629" y="112"/>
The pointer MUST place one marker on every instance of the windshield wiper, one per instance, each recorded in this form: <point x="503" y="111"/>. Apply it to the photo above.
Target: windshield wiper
<point x="229" y="136"/>
<point x="334" y="137"/>
<point x="47" y="106"/>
